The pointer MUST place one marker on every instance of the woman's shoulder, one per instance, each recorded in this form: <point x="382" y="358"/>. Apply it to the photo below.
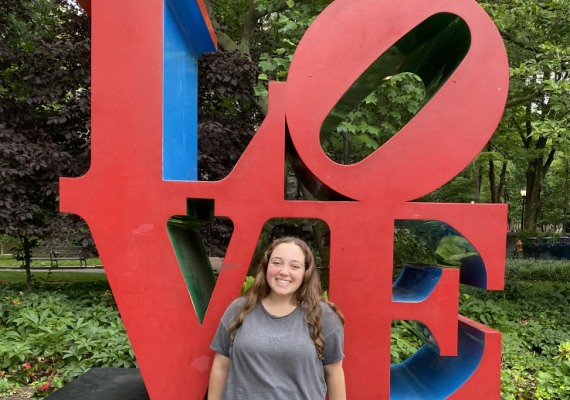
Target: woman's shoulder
<point x="233" y="310"/>
<point x="238" y="303"/>
<point x="329" y="319"/>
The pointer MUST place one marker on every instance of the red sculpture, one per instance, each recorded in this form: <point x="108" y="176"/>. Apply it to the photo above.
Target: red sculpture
<point x="126" y="202"/>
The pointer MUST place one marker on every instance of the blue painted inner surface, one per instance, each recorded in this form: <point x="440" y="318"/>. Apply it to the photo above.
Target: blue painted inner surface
<point x="450" y="249"/>
<point x="415" y="283"/>
<point x="473" y="272"/>
<point x="186" y="38"/>
<point x="429" y="376"/>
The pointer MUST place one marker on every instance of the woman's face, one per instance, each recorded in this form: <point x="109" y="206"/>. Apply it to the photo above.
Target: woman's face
<point x="285" y="269"/>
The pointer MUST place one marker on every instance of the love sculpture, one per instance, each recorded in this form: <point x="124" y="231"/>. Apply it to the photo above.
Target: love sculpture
<point x="141" y="177"/>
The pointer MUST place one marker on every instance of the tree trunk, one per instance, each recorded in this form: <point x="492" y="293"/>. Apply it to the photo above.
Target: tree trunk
<point x="496" y="191"/>
<point x="321" y="230"/>
<point x="477" y="178"/>
<point x="345" y="148"/>
<point x="29" y="277"/>
<point x="536" y="171"/>
<point x="250" y="25"/>
<point x="492" y="184"/>
<point x="502" y="182"/>
<point x="26" y="260"/>
<point x="535" y="174"/>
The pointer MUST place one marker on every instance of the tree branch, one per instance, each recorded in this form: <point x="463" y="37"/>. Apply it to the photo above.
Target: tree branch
<point x="224" y="41"/>
<point x="512" y="39"/>
<point x="251" y="20"/>
<point x="497" y="150"/>
<point x="530" y="97"/>
<point x="549" y="160"/>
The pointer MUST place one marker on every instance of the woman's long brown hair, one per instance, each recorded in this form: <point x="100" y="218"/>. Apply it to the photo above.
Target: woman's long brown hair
<point x="308" y="296"/>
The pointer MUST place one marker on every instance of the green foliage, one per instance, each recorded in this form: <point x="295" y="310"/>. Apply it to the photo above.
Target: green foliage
<point x="536" y="331"/>
<point x="535" y="327"/>
<point x="534" y="127"/>
<point x="409" y="248"/>
<point x="556" y="192"/>
<point x="452" y="250"/>
<point x="376" y="119"/>
<point x="247" y="284"/>
<point x="563" y="352"/>
<point x="403" y="344"/>
<point x="524" y="234"/>
<point x="60" y="331"/>
<point x="44" y="118"/>
<point x="458" y="190"/>
<point x="537" y="270"/>
<point x="8" y="243"/>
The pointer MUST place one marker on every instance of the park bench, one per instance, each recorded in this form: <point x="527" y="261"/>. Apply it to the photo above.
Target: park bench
<point x="41" y="254"/>
<point x="60" y="253"/>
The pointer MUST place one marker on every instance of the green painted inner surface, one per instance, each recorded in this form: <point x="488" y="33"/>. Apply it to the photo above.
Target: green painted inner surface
<point x="184" y="232"/>
<point x="432" y="51"/>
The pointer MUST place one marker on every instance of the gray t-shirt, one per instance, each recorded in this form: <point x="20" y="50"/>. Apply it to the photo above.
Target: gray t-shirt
<point x="274" y="358"/>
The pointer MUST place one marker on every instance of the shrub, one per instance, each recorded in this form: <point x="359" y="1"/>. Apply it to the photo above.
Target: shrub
<point x="538" y="270"/>
<point x="61" y="330"/>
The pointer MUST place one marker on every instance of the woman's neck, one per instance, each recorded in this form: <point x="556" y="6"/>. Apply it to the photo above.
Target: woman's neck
<point x="279" y="306"/>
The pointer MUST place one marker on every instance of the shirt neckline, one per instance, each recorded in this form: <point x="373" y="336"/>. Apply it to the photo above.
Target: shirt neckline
<point x="275" y="316"/>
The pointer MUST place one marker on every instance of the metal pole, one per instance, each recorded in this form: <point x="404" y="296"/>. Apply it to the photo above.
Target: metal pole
<point x="522" y="216"/>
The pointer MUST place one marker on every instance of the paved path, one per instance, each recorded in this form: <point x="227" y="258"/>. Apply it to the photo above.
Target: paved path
<point x="88" y="270"/>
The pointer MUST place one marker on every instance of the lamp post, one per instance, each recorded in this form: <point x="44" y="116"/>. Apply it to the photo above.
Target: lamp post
<point x="523" y="194"/>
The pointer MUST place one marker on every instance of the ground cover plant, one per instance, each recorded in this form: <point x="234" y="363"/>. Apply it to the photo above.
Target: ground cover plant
<point x="533" y="314"/>
<point x="61" y="330"/>
<point x="57" y="333"/>
<point x="535" y="324"/>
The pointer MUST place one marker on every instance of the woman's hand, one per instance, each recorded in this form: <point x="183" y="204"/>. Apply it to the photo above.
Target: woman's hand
<point x="219" y="376"/>
<point x="334" y="376"/>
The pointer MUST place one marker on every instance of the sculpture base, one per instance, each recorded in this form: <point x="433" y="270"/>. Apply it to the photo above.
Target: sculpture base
<point x="104" y="384"/>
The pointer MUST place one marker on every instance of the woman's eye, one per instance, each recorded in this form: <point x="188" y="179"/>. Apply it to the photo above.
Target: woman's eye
<point x="296" y="266"/>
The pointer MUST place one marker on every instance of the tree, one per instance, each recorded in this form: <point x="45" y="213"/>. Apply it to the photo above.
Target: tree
<point x="555" y="208"/>
<point x="533" y="128"/>
<point x="537" y="37"/>
<point x="228" y="114"/>
<point x="44" y="118"/>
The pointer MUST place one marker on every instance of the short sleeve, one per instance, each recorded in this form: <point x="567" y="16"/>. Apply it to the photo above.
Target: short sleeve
<point x="333" y="332"/>
<point x="221" y="342"/>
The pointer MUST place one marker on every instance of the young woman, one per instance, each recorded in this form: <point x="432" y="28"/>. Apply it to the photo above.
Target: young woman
<point x="281" y="340"/>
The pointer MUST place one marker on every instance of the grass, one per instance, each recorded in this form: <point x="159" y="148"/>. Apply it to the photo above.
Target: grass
<point x="70" y="277"/>
<point x="8" y="261"/>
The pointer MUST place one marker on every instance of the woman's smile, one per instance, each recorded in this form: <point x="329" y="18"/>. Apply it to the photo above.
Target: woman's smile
<point x="286" y="269"/>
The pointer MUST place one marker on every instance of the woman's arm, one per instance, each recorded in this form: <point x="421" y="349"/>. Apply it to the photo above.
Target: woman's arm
<point x="218" y="376"/>
<point x="334" y="375"/>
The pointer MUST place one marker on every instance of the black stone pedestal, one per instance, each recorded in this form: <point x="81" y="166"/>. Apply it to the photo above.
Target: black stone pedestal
<point x="104" y="384"/>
